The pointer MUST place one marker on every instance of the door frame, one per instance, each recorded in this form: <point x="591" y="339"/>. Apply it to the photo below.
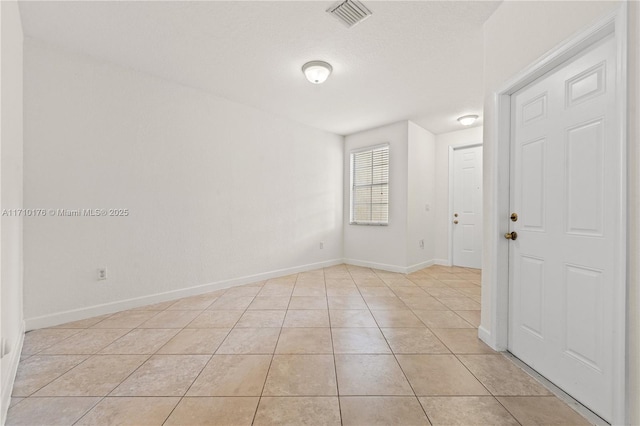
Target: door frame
<point x="452" y="149"/>
<point x="496" y="257"/>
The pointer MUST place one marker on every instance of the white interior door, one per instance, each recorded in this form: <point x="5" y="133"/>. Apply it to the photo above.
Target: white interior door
<point x="566" y="190"/>
<point x="467" y="207"/>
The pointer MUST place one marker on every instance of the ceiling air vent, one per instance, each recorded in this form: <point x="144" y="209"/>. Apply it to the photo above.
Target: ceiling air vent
<point x="349" y="12"/>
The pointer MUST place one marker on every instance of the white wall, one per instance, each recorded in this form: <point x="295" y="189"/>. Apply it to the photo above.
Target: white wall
<point x="11" y="139"/>
<point x="441" y="204"/>
<point x="420" y="192"/>
<point x="395" y="247"/>
<point x="541" y="26"/>
<point x="380" y="246"/>
<point x="217" y="192"/>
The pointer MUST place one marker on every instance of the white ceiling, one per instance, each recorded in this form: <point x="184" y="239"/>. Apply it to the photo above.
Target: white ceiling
<point x="418" y="60"/>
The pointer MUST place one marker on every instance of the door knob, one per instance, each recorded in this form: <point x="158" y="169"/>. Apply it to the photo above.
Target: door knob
<point x="455" y="222"/>
<point x="514" y="217"/>
<point x="511" y="235"/>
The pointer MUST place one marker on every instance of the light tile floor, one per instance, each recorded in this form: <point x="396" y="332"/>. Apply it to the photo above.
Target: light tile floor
<point x="340" y="345"/>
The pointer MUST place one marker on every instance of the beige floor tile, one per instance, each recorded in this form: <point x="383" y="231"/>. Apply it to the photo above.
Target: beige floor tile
<point x="85" y="342"/>
<point x="301" y="375"/>
<point x="462" y="340"/>
<point x="442" y="319"/>
<point x="428" y="283"/>
<point x="368" y="282"/>
<point x="126" y="319"/>
<point x="40" y="370"/>
<point x="396" y="319"/>
<point x="250" y="341"/>
<point x="359" y="341"/>
<point x="303" y="291"/>
<point x="308" y="302"/>
<point x="385" y="303"/>
<point x="339" y="282"/>
<point x="459" y="303"/>
<point x="196" y="303"/>
<point x="472" y="291"/>
<point x="346" y="302"/>
<point x="472" y="317"/>
<point x="232" y="375"/>
<point x="261" y="318"/>
<point x="352" y="318"/>
<point x="97" y="376"/>
<point x="231" y="303"/>
<point x="133" y="411"/>
<point x="381" y="411"/>
<point x="413" y="341"/>
<point x="377" y="291"/>
<point x="216" y="319"/>
<point x="270" y="302"/>
<point x="140" y="341"/>
<point x="424" y="302"/>
<point x="444" y="292"/>
<point x="163" y="375"/>
<point x="542" y="410"/>
<point x="408" y="292"/>
<point x="466" y="410"/>
<point x="195" y="341"/>
<point x="400" y="282"/>
<point x="243" y="291"/>
<point x="156" y="306"/>
<point x="455" y="283"/>
<point x="170" y="319"/>
<point x="370" y="375"/>
<point x="49" y="411"/>
<point x="305" y="341"/>
<point x="276" y="290"/>
<point x="15" y="401"/>
<point x="214" y="411"/>
<point x="343" y="291"/>
<point x="439" y="375"/>
<point x="501" y="376"/>
<point x="38" y="340"/>
<point x="84" y="323"/>
<point x="307" y="318"/>
<point x="295" y="411"/>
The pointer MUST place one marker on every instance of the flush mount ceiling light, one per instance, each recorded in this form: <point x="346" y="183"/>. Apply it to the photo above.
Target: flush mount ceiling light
<point x="468" y="120"/>
<point x="317" y="71"/>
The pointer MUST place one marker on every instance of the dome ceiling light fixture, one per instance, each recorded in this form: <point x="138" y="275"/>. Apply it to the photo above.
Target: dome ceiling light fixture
<point x="317" y="71"/>
<point x="468" y="120"/>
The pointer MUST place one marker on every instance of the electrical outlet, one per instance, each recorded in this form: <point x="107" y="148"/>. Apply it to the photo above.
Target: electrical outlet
<point x="421" y="244"/>
<point x="102" y="274"/>
<point x="321" y="245"/>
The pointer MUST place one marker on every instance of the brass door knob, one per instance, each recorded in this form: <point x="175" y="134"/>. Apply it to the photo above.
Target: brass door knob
<point x="455" y="222"/>
<point x="511" y="235"/>
<point x="514" y="217"/>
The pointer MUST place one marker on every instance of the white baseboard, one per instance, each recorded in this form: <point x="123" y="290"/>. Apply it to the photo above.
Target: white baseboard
<point x="121" y="305"/>
<point x="12" y="359"/>
<point x="374" y="265"/>
<point x="419" y="266"/>
<point x="442" y="262"/>
<point x="486" y="337"/>
<point x="390" y="268"/>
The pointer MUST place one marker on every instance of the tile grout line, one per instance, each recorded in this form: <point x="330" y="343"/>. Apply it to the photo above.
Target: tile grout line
<point x="273" y="355"/>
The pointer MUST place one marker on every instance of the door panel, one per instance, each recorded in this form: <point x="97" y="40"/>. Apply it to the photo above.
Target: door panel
<point x="467" y="207"/>
<point x="565" y="189"/>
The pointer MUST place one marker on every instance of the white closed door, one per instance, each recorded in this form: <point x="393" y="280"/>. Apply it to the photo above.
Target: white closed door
<point x="467" y="207"/>
<point x="566" y="190"/>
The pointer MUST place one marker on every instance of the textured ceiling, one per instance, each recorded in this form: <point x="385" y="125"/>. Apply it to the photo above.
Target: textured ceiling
<point x="417" y="60"/>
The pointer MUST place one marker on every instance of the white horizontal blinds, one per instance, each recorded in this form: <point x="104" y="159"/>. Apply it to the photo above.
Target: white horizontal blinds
<point x="370" y="191"/>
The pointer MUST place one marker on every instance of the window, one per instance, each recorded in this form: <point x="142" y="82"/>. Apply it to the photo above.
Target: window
<point x="370" y="186"/>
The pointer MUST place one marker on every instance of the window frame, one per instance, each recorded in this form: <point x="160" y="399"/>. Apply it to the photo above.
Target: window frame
<point x="352" y="181"/>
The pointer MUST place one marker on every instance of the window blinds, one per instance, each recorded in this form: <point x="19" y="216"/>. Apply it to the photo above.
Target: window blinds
<point x="370" y="186"/>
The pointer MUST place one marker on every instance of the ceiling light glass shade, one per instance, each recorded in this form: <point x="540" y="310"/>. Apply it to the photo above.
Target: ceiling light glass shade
<point x="467" y="120"/>
<point x="317" y="71"/>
